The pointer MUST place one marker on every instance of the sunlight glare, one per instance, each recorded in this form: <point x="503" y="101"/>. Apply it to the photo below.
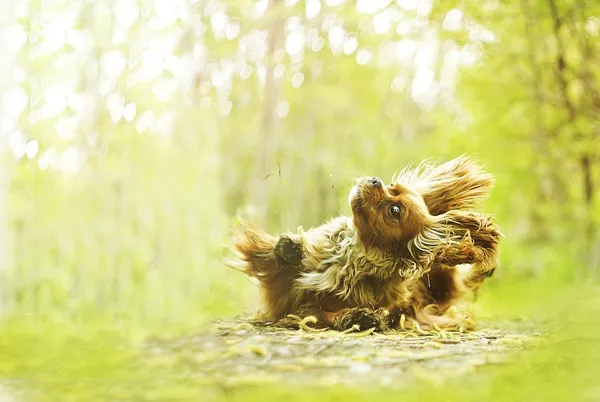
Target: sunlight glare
<point x="453" y="20"/>
<point x="294" y="43"/>
<point x="363" y="56"/>
<point x="313" y="8"/>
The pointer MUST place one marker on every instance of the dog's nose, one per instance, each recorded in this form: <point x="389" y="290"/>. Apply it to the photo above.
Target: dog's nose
<point x="376" y="182"/>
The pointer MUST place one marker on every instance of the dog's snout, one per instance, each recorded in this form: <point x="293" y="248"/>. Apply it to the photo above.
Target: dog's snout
<point x="376" y="182"/>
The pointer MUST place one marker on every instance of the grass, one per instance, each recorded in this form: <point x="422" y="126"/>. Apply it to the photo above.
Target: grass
<point x="45" y="361"/>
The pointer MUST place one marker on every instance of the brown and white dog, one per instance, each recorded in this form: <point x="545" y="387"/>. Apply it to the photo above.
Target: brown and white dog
<point x="394" y="262"/>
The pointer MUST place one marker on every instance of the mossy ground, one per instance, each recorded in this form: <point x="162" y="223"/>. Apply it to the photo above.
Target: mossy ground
<point x="555" y="356"/>
<point x="237" y="353"/>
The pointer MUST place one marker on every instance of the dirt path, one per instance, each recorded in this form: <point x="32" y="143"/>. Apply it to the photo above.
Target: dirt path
<point x="238" y="353"/>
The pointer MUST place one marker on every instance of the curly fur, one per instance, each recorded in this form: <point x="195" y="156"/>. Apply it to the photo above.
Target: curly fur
<point x="398" y="253"/>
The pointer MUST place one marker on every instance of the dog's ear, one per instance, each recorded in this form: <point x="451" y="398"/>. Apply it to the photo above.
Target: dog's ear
<point x="459" y="184"/>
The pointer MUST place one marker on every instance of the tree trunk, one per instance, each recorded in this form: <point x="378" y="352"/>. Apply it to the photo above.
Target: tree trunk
<point x="548" y="176"/>
<point x="265" y="162"/>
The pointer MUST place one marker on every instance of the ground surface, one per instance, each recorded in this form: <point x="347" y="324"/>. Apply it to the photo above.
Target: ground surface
<point x="238" y="353"/>
<point x="549" y="352"/>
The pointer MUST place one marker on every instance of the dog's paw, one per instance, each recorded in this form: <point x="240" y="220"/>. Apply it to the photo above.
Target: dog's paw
<point x="364" y="318"/>
<point x="288" y="251"/>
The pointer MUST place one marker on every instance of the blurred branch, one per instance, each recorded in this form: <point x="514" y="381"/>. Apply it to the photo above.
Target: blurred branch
<point x="561" y="64"/>
<point x="587" y="59"/>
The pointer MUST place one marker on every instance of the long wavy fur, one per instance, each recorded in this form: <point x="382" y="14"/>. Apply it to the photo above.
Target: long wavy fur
<point x="332" y="273"/>
<point x="459" y="184"/>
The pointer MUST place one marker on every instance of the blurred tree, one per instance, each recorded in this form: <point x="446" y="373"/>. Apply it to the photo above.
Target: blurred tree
<point x="549" y="102"/>
<point x="137" y="127"/>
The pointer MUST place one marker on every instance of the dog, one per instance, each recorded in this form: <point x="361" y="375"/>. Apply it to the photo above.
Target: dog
<point x="411" y="251"/>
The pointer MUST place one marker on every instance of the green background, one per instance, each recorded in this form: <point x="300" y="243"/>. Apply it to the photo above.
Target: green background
<point x="115" y="223"/>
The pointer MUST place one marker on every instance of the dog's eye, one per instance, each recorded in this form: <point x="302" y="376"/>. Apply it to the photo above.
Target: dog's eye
<point x="395" y="211"/>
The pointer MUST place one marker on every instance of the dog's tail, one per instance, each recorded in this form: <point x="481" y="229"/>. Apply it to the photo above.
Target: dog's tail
<point x="254" y="252"/>
<point x="274" y="262"/>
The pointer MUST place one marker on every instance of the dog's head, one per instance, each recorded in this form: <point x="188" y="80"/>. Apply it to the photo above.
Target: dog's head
<point x="386" y="216"/>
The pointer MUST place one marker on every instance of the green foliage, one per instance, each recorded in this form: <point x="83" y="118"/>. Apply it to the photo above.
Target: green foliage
<point x="169" y="125"/>
<point x="138" y="130"/>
